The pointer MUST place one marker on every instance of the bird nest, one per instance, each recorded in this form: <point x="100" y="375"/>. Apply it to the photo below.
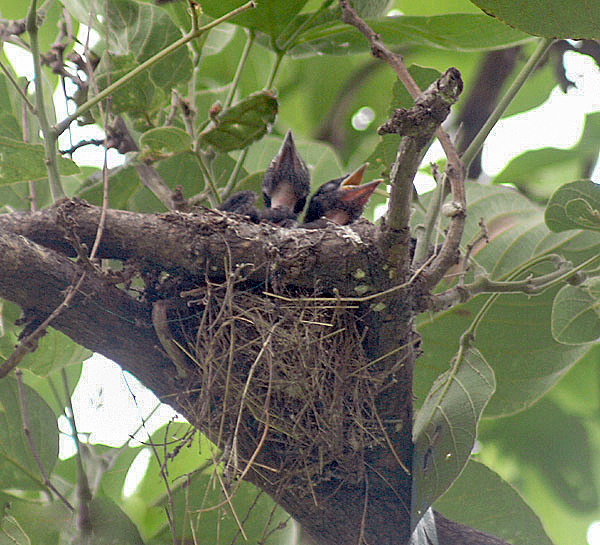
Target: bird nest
<point x="283" y="383"/>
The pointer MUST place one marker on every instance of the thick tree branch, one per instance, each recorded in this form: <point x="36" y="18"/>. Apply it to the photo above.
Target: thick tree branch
<point x="99" y="317"/>
<point x="207" y="241"/>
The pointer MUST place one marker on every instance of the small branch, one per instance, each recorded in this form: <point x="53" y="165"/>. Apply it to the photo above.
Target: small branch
<point x="81" y="144"/>
<point x="482" y="235"/>
<point x="477" y="143"/>
<point x="431" y="217"/>
<point x="151" y="179"/>
<point x="529" y="286"/>
<point x="194" y="33"/>
<point x="84" y="494"/>
<point x="455" y="171"/>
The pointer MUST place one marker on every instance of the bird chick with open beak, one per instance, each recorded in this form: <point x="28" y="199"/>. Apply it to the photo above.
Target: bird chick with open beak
<point x="340" y="201"/>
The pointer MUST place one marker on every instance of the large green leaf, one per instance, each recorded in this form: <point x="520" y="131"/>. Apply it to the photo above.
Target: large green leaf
<point x="111" y="525"/>
<point x="54" y="350"/>
<point x="164" y="142"/>
<point x="134" y="33"/>
<point x="575" y="318"/>
<point x="515" y="336"/>
<point x="574" y="19"/>
<point x="558" y="447"/>
<point x="462" y="32"/>
<point x="446" y="427"/>
<point x="540" y="172"/>
<point x="242" y="124"/>
<point x="41" y="522"/>
<point x="270" y="16"/>
<point x="20" y="161"/>
<point x="575" y="206"/>
<point x="481" y="499"/>
<point x="18" y="468"/>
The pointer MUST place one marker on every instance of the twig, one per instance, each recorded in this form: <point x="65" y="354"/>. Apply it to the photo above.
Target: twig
<point x="482" y="235"/>
<point x="529" y="286"/>
<point x="84" y="493"/>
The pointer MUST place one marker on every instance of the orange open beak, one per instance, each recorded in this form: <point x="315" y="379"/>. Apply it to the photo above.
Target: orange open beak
<point x="359" y="194"/>
<point x="355" y="178"/>
<point x="352" y="190"/>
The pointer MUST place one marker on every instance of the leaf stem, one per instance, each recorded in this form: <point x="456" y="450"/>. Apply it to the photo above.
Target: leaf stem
<point x="239" y="69"/>
<point x="477" y="143"/>
<point x="49" y="134"/>
<point x="275" y="69"/>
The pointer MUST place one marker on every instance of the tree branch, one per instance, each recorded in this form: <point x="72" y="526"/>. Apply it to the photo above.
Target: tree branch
<point x="455" y="171"/>
<point x="196" y="244"/>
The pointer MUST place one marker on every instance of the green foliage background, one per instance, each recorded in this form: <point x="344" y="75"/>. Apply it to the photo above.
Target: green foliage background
<point x="307" y="71"/>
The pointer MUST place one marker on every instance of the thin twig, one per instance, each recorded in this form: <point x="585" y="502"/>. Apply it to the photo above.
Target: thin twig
<point x="84" y="493"/>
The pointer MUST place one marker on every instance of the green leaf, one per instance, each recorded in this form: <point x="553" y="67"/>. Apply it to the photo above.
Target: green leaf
<point x="54" y="350"/>
<point x="575" y="318"/>
<point x="557" y="447"/>
<point x="136" y="32"/>
<point x="242" y="124"/>
<point x="446" y="427"/>
<point x="163" y="142"/>
<point x="552" y="18"/>
<point x="138" y="96"/>
<point x="18" y="468"/>
<point x="462" y="32"/>
<point x="20" y="161"/>
<point x="12" y="532"/>
<point x="481" y="499"/>
<point x="515" y="336"/>
<point x="574" y="206"/>
<point x="41" y="522"/>
<point x="540" y="172"/>
<point x="110" y="525"/>
<point x="270" y="16"/>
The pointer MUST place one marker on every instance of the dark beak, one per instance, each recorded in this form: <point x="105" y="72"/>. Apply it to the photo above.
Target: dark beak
<point x="286" y="182"/>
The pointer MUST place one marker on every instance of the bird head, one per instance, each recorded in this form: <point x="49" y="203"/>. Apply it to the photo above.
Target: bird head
<point x="342" y="200"/>
<point x="286" y="182"/>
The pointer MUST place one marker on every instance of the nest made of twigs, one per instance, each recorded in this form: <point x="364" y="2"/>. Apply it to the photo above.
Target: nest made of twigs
<point x="286" y="376"/>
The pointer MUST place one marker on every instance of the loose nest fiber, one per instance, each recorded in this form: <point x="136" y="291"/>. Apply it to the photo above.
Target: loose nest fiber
<point x="287" y="378"/>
